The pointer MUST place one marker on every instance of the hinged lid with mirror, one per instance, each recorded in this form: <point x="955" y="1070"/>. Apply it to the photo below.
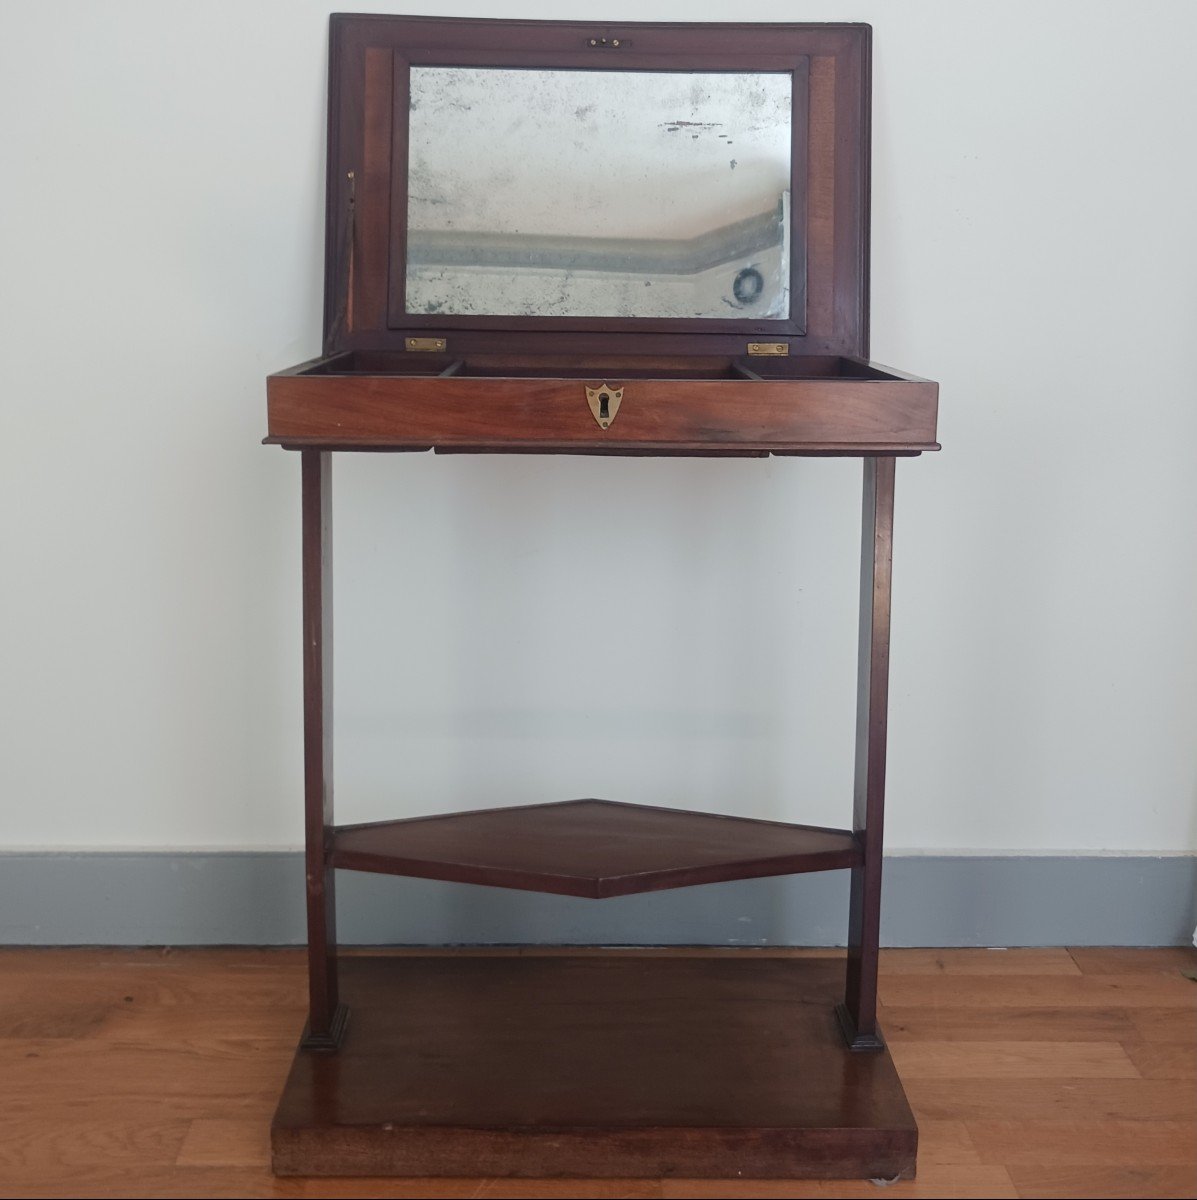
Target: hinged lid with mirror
<point x="518" y="211"/>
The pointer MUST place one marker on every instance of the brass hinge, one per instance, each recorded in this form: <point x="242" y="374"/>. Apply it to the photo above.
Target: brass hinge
<point x="436" y="345"/>
<point x="757" y="349"/>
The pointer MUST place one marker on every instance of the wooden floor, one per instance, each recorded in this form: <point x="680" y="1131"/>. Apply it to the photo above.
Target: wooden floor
<point x="1031" y="1072"/>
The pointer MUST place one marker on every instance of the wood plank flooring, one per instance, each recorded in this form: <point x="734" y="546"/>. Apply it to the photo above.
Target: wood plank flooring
<point x="1035" y="1073"/>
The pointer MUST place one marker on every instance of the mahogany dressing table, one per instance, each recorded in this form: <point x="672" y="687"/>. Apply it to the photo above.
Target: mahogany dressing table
<point x="575" y="238"/>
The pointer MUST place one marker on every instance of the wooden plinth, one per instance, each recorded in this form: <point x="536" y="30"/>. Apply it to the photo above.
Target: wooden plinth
<point x="593" y="1066"/>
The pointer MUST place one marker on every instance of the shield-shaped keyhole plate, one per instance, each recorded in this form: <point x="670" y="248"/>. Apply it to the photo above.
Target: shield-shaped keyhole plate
<point x="604" y="403"/>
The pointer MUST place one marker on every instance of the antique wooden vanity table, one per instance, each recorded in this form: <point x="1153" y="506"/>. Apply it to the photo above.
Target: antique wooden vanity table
<point x="588" y="239"/>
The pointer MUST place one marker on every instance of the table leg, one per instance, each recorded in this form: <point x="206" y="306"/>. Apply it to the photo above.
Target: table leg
<point x="327" y="1016"/>
<point x="858" y="1013"/>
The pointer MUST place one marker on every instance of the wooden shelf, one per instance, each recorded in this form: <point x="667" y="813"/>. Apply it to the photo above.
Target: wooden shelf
<point x="593" y="848"/>
<point x="594" y="1066"/>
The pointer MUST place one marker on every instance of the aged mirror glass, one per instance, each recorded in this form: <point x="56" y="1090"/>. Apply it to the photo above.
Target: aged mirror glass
<point x="583" y="193"/>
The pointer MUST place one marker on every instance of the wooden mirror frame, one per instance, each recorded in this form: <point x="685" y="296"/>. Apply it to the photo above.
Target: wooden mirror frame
<point x="370" y="59"/>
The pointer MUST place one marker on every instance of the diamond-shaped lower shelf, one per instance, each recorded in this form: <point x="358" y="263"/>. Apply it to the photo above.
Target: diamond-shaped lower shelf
<point x="593" y="848"/>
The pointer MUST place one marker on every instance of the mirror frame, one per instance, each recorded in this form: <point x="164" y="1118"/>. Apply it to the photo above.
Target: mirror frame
<point x="367" y="201"/>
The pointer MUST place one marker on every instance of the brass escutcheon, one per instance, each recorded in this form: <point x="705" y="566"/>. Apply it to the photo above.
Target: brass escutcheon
<point x="604" y="403"/>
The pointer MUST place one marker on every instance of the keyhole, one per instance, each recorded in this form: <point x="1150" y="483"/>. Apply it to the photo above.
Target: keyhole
<point x="603" y="411"/>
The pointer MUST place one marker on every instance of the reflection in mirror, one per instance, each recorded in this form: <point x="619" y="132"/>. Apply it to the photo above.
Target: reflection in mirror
<point x="554" y="193"/>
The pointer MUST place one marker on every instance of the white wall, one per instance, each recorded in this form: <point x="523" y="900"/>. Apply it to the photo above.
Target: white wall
<point x="518" y="630"/>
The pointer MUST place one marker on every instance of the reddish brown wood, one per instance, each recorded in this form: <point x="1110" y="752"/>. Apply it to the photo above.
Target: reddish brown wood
<point x="858" y="1014"/>
<point x="593" y="848"/>
<point x="829" y="159"/>
<point x="519" y="1070"/>
<point x="586" y="1066"/>
<point x="849" y="415"/>
<point x="327" y="1016"/>
<point x="820" y="202"/>
<point x="374" y="193"/>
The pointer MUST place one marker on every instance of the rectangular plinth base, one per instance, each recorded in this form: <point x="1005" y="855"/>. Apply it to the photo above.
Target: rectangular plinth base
<point x="588" y="1066"/>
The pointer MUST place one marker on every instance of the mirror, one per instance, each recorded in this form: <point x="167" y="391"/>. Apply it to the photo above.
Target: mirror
<point x="590" y="193"/>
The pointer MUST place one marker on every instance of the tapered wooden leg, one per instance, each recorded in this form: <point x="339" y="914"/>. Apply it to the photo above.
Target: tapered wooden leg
<point x="327" y="1016"/>
<point x="858" y="1013"/>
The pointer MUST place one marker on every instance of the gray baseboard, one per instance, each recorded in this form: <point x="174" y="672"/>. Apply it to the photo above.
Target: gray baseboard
<point x="257" y="899"/>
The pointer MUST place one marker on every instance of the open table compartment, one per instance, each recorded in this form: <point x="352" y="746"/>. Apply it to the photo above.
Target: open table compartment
<point x="805" y="405"/>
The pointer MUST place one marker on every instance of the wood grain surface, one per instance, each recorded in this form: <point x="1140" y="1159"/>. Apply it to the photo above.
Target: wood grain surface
<point x="594" y="848"/>
<point x="851" y="416"/>
<point x="155" y="1073"/>
<point x="366" y="255"/>
<point x="589" y="1066"/>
